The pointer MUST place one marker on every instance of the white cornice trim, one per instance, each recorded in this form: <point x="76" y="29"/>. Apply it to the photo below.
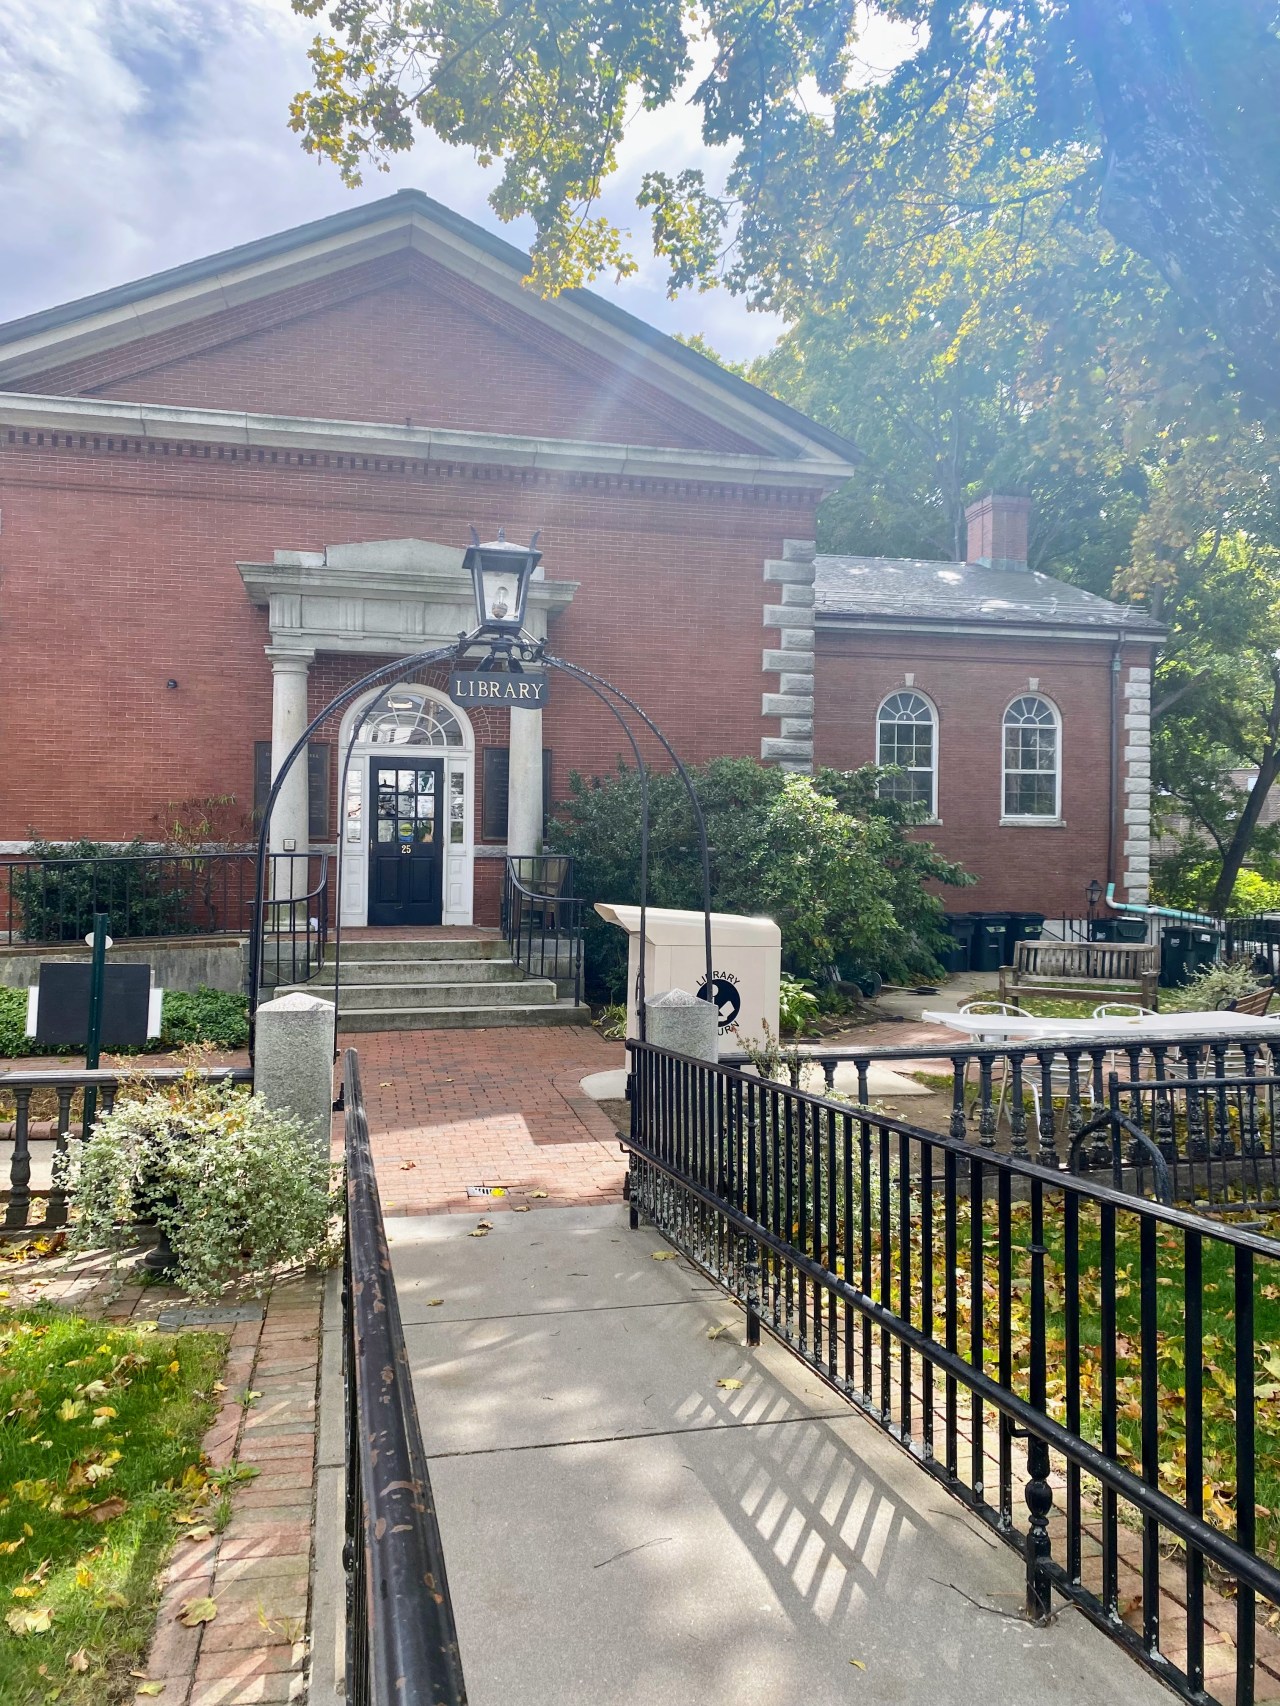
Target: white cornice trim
<point x="165" y="422"/>
<point x="400" y="229"/>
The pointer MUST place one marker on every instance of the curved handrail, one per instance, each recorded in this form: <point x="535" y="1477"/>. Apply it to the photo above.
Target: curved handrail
<point x="532" y="948"/>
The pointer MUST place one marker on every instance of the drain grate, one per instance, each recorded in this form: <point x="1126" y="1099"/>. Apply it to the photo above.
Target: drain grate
<point x="488" y="1190"/>
<point x="172" y="1319"/>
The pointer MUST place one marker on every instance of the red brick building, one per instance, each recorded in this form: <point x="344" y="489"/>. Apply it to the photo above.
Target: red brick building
<point x="232" y="488"/>
<point x="1018" y="707"/>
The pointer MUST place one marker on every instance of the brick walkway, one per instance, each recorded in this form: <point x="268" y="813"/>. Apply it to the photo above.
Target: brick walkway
<point x="453" y="1110"/>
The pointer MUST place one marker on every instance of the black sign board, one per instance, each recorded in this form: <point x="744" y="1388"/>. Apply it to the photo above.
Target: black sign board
<point x="62" y="1008"/>
<point x="526" y="690"/>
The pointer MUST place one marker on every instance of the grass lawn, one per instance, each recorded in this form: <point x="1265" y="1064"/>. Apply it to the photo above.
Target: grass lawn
<point x="1217" y="1295"/>
<point x="100" y="1430"/>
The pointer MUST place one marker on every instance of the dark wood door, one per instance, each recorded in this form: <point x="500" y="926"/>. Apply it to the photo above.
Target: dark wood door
<point x="406" y="840"/>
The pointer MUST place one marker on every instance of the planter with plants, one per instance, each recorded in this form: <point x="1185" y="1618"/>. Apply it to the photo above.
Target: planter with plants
<point x="233" y="1190"/>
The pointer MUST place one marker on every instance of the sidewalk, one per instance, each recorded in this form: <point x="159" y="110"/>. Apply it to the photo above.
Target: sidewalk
<point x="621" y="1529"/>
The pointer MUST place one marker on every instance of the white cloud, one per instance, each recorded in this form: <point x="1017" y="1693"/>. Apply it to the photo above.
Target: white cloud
<point x="139" y="134"/>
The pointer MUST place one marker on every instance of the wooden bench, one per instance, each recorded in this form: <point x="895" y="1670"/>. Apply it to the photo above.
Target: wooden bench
<point x="1255" y="1005"/>
<point x="1079" y="971"/>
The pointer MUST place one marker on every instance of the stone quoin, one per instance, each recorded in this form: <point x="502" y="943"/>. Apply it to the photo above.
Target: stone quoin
<point x="229" y="490"/>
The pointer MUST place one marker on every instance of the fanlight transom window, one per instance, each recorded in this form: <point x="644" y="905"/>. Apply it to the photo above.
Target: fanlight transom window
<point x="1030" y="758"/>
<point x="405" y="716"/>
<point x="906" y="738"/>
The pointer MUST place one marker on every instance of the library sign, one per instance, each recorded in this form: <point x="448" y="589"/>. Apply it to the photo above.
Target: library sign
<point x="526" y="691"/>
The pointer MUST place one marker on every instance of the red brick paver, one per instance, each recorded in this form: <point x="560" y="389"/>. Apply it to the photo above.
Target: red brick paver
<point x="450" y="1110"/>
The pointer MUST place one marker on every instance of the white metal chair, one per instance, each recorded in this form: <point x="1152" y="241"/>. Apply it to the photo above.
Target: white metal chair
<point x="996" y="1010"/>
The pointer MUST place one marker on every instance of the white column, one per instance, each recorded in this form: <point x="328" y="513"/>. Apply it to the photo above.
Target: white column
<point x="524" y="784"/>
<point x="289" y="671"/>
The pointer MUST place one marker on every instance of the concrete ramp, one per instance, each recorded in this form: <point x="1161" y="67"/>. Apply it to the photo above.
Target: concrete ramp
<point x="621" y="1529"/>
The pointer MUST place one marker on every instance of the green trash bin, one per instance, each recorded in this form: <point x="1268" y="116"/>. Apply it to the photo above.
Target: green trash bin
<point x="990" y="941"/>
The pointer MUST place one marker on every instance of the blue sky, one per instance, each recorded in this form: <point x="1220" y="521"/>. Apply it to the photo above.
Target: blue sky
<point x="138" y="134"/>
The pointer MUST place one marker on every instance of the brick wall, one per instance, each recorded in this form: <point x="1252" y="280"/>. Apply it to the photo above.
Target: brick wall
<point x="118" y="572"/>
<point x="399" y="340"/>
<point x="971" y="683"/>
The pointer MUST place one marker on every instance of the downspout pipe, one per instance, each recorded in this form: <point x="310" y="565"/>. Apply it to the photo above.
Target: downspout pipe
<point x="1157" y="911"/>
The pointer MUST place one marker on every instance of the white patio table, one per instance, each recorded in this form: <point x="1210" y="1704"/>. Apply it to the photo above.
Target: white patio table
<point x="1001" y="1027"/>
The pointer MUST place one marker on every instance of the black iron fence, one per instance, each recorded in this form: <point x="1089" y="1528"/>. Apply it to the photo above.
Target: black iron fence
<point x="46" y="1109"/>
<point x="968" y="1301"/>
<point x="1214" y="1140"/>
<point x="47" y="901"/>
<point x="1035" y="1100"/>
<point x="542" y="920"/>
<point x="402" y="1645"/>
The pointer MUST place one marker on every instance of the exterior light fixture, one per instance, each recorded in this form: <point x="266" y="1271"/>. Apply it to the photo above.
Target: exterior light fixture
<point x="1093" y="894"/>
<point x="171" y="684"/>
<point x="500" y="574"/>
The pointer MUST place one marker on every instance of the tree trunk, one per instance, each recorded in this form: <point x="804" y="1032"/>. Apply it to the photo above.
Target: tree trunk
<point x="1175" y="190"/>
<point x="1238" y="846"/>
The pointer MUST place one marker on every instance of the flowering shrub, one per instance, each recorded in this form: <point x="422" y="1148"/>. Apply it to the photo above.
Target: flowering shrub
<point x="237" y="1189"/>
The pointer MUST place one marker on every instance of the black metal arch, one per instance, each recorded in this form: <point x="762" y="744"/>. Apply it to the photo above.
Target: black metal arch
<point x="403" y="670"/>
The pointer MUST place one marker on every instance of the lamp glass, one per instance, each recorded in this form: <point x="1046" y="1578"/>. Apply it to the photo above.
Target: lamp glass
<point x="500" y="574"/>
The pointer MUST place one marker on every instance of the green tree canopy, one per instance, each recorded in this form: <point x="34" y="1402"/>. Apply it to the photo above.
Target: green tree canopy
<point x="1158" y="121"/>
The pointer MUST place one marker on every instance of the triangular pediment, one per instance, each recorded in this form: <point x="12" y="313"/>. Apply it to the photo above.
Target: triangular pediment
<point x="399" y="312"/>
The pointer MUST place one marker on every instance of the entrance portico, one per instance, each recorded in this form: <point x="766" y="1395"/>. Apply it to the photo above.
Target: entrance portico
<point x="388" y="598"/>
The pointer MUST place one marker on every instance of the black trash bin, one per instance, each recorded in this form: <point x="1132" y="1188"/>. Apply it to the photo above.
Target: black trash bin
<point x="1175" y="947"/>
<point x="957" y="954"/>
<point x="990" y="941"/>
<point x="1118" y="930"/>
<point x="1024" y="927"/>
<point x="1203" y="947"/>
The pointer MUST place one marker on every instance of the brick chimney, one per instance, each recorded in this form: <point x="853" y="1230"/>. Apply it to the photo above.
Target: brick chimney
<point x="998" y="528"/>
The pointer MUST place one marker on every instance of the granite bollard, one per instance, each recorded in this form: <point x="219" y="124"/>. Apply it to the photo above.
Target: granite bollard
<point x="684" y="1024"/>
<point x="293" y="1060"/>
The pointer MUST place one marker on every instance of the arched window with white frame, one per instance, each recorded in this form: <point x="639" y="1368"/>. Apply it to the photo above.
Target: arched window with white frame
<point x="907" y="740"/>
<point x="1032" y="759"/>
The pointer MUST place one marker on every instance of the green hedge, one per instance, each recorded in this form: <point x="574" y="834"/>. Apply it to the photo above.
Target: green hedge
<point x="202" y="1016"/>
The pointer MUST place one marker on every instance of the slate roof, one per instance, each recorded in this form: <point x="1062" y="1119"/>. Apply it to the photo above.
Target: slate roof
<point x="877" y="589"/>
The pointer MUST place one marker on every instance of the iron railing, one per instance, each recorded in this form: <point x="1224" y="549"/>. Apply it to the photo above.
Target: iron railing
<point x="1035" y="1099"/>
<point x="542" y="920"/>
<point x="402" y="1645"/>
<point x="45" y="1107"/>
<point x="1217" y="1139"/>
<point x="966" y="1300"/>
<point x="297" y="934"/>
<point x="47" y="901"/>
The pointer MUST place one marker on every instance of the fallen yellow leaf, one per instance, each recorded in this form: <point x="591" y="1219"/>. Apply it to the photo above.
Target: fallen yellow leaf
<point x="537" y="1193"/>
<point x="434" y="1302"/>
<point x="521" y="1208"/>
<point x="79" y="1660"/>
<point x="663" y="1255"/>
<point x="723" y="1332"/>
<point x="151" y="1688"/>
<point x="858" y="1663"/>
<point x="35" y="1622"/>
<point x="730" y="1385"/>
<point x="195" y="1611"/>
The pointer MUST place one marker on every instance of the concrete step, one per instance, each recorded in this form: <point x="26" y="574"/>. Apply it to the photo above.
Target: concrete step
<point x="530" y="992"/>
<point x="356" y="968"/>
<point x="460" y="1018"/>
<point x="424" y="948"/>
